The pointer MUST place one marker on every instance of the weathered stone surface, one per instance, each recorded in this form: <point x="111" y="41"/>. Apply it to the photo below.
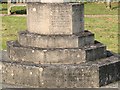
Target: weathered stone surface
<point x="55" y="55"/>
<point x="59" y="54"/>
<point x="96" y="51"/>
<point x="55" y="18"/>
<point x="20" y="74"/>
<point x="90" y="74"/>
<point x="45" y="55"/>
<point x="56" y="41"/>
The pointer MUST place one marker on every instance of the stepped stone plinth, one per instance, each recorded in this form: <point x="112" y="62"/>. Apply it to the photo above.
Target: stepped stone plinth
<point x="55" y="55"/>
<point x="89" y="74"/>
<point x="56" y="51"/>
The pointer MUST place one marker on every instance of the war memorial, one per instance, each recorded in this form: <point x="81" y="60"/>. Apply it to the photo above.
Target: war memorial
<point x="56" y="52"/>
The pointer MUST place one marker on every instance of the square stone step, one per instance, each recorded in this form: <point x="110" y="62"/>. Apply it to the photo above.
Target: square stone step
<point x="56" y="41"/>
<point x="85" y="75"/>
<point x="55" y="55"/>
<point x="55" y="18"/>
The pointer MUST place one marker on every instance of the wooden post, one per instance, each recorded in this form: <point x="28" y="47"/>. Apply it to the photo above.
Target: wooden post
<point x="20" y="1"/>
<point x="108" y="4"/>
<point x="17" y="1"/>
<point x="9" y="7"/>
<point x="24" y="1"/>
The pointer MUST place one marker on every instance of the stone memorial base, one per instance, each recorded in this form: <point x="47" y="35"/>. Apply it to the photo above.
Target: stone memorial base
<point x="55" y="55"/>
<point x="88" y="75"/>
<point x="56" y="51"/>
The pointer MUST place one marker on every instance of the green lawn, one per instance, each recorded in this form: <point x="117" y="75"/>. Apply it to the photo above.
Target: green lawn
<point x="105" y="30"/>
<point x="18" y="10"/>
<point x="10" y="26"/>
<point x="3" y="9"/>
<point x="100" y="9"/>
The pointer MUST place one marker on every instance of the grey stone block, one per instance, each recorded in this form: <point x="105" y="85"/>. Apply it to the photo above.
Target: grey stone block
<point x="55" y="18"/>
<point x="85" y="75"/>
<point x="20" y="75"/>
<point x="108" y="73"/>
<point x="55" y="55"/>
<point x="96" y="51"/>
<point x="45" y="55"/>
<point x="56" y="41"/>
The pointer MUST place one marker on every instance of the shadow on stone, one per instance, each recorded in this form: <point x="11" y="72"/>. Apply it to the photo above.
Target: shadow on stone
<point x="109" y="53"/>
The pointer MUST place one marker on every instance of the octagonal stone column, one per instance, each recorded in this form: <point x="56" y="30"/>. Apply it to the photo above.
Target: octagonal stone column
<point x="55" y="18"/>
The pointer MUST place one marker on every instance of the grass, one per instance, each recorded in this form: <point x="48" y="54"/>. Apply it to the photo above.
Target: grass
<point x="100" y="9"/>
<point x="18" y="10"/>
<point x="10" y="26"/>
<point x="3" y="10"/>
<point x="105" y="30"/>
